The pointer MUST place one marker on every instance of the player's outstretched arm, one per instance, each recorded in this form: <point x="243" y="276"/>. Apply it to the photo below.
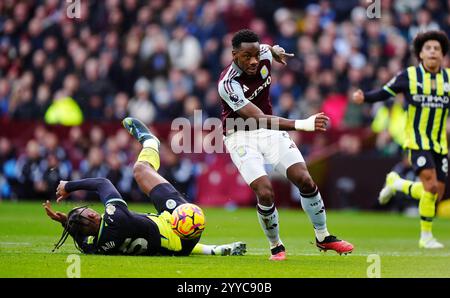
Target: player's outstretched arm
<point x="102" y="186"/>
<point x="398" y="84"/>
<point x="360" y="97"/>
<point x="315" y="122"/>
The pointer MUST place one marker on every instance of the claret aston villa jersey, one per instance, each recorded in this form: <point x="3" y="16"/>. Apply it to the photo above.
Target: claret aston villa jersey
<point x="236" y="88"/>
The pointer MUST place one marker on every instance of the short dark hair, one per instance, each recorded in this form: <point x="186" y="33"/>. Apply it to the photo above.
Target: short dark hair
<point x="244" y="35"/>
<point x="423" y="37"/>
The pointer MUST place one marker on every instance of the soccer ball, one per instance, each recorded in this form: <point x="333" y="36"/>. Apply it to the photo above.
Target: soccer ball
<point x="188" y="221"/>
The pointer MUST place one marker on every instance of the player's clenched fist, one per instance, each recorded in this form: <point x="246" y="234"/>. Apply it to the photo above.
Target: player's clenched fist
<point x="321" y="122"/>
<point x="61" y="192"/>
<point x="317" y="121"/>
<point x="358" y="96"/>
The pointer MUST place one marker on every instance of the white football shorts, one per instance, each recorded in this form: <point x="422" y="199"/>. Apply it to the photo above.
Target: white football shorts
<point x="251" y="150"/>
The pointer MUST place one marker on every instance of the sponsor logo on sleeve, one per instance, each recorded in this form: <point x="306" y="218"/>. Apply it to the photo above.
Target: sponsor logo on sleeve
<point x="235" y="99"/>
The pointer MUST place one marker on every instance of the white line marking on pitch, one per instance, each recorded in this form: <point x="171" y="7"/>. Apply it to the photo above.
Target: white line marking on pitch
<point x="385" y="254"/>
<point x="15" y="243"/>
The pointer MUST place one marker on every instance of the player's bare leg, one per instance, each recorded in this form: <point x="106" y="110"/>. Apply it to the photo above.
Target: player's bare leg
<point x="146" y="175"/>
<point x="147" y="164"/>
<point x="268" y="216"/>
<point x="312" y="204"/>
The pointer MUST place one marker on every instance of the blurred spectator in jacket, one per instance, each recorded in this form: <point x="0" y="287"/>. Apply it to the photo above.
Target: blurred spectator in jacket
<point x="8" y="175"/>
<point x="28" y="171"/>
<point x="140" y="106"/>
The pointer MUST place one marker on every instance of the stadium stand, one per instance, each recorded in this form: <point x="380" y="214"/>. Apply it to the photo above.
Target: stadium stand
<point x="159" y="60"/>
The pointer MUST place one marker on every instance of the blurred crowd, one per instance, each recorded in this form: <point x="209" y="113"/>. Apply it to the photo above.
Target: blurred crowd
<point x="158" y="60"/>
<point x="35" y="169"/>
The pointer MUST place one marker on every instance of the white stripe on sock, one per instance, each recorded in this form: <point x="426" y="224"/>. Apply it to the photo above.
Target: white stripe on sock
<point x="151" y="143"/>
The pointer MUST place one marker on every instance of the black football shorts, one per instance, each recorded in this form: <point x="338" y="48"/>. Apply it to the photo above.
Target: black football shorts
<point x="166" y="198"/>
<point x="428" y="159"/>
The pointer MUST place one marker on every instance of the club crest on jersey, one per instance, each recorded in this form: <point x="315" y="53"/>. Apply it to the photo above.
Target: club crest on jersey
<point x="110" y="209"/>
<point x="446" y="87"/>
<point x="241" y="151"/>
<point x="171" y="204"/>
<point x="264" y="72"/>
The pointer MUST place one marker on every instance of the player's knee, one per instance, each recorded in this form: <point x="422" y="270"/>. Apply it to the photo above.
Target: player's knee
<point x="138" y="170"/>
<point x="431" y="186"/>
<point x="265" y="194"/>
<point x="306" y="184"/>
<point x="302" y="179"/>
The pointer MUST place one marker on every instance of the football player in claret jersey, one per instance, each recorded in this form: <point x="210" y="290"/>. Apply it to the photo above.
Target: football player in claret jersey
<point x="426" y="88"/>
<point x="121" y="231"/>
<point x="254" y="137"/>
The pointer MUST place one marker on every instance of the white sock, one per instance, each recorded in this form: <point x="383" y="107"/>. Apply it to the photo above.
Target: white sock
<point x="313" y="205"/>
<point x="268" y="219"/>
<point x="321" y="234"/>
<point x="151" y="143"/>
<point x="208" y="249"/>
<point x="398" y="184"/>
<point x="425" y="235"/>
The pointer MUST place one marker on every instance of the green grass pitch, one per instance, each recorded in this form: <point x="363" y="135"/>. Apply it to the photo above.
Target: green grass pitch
<point x="27" y="237"/>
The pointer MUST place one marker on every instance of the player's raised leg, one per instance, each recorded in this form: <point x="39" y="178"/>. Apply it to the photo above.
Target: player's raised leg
<point x="428" y="190"/>
<point x="394" y="183"/>
<point x="164" y="196"/>
<point x="313" y="205"/>
<point x="148" y="162"/>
